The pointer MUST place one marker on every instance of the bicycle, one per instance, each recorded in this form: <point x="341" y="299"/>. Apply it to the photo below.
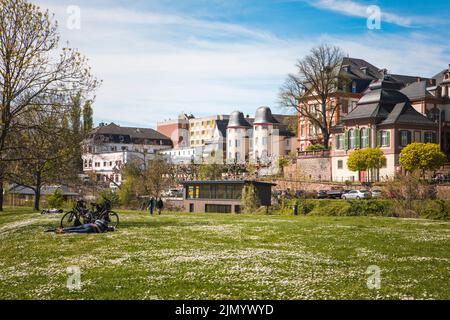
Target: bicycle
<point x="80" y="214"/>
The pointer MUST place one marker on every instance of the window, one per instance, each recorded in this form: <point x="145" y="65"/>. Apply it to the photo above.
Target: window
<point x="288" y="142"/>
<point x="364" y="138"/>
<point x="430" y="137"/>
<point x="339" y="143"/>
<point x="344" y="106"/>
<point x="351" y="139"/>
<point x="384" y="138"/>
<point x="237" y="143"/>
<point x="230" y="143"/>
<point x="340" y="164"/>
<point x="302" y="130"/>
<point x="405" y="138"/>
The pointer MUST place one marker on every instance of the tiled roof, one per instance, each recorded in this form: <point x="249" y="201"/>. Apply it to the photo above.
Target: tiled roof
<point x="404" y="113"/>
<point x="140" y="133"/>
<point x="417" y="90"/>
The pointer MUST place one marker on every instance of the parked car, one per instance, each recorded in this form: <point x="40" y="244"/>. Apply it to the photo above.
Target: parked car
<point x="335" y="194"/>
<point x="322" y="194"/>
<point x="376" y="193"/>
<point x="356" y="194"/>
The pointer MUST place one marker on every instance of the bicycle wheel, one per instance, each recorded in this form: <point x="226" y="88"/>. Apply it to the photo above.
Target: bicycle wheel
<point x="70" y="219"/>
<point x="112" y="218"/>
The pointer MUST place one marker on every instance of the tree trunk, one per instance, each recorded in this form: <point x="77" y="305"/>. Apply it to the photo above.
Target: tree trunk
<point x="326" y="140"/>
<point x="37" y="192"/>
<point x="1" y="194"/>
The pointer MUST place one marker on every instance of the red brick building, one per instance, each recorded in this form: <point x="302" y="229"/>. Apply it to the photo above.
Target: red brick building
<point x="177" y="130"/>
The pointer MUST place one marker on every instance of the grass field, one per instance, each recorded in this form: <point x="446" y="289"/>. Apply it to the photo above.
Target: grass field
<point x="212" y="256"/>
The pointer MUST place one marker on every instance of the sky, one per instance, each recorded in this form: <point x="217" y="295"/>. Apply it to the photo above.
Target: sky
<point x="158" y="58"/>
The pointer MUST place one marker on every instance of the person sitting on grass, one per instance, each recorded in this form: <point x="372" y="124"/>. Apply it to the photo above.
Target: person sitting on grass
<point x="99" y="226"/>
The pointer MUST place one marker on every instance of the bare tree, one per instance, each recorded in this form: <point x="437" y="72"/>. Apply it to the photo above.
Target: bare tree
<point x="32" y="73"/>
<point x="310" y="90"/>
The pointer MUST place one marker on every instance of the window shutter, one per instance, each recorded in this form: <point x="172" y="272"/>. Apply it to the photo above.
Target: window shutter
<point x="346" y="140"/>
<point x="357" y="138"/>
<point x="379" y="139"/>
<point x="409" y="137"/>
<point x="368" y="137"/>
<point x="388" y="137"/>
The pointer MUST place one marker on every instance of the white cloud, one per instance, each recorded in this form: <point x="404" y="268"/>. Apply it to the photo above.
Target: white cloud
<point x="154" y="65"/>
<point x="354" y="9"/>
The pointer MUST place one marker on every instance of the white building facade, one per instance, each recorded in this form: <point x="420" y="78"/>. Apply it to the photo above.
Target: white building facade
<point x="109" y="147"/>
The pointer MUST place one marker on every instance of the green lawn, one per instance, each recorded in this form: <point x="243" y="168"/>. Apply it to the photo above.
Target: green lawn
<point x="219" y="256"/>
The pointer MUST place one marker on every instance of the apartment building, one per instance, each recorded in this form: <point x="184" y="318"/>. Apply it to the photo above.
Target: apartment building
<point x="110" y="146"/>
<point x="177" y="130"/>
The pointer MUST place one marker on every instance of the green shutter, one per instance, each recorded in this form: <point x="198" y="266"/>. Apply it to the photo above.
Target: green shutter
<point x="379" y="138"/>
<point x="346" y="140"/>
<point x="388" y="133"/>
<point x="367" y="137"/>
<point x="357" y="138"/>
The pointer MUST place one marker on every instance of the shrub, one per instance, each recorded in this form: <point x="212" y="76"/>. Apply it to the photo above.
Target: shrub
<point x="56" y="200"/>
<point x="331" y="208"/>
<point x="108" y="194"/>
<point x="315" y="147"/>
<point x="373" y="207"/>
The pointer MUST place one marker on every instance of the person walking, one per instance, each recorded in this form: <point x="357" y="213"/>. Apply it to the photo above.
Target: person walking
<point x="159" y="206"/>
<point x="152" y="205"/>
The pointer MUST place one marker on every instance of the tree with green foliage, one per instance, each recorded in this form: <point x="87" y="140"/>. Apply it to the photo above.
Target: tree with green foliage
<point x="55" y="200"/>
<point x="422" y="157"/>
<point x="88" y="117"/>
<point x="250" y="202"/>
<point x="146" y="179"/>
<point x="211" y="171"/>
<point x="367" y="159"/>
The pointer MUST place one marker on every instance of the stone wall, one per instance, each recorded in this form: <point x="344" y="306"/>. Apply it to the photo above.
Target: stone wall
<point x="313" y="167"/>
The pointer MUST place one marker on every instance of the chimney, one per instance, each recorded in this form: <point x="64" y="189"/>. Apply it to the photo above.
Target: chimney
<point x="419" y="79"/>
<point x="364" y="70"/>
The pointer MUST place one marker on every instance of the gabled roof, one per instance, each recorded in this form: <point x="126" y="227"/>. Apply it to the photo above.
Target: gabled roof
<point x="440" y="76"/>
<point x="360" y="69"/>
<point x="140" y="133"/>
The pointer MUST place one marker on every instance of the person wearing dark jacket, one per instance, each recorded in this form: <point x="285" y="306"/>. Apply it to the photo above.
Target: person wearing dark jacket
<point x="159" y="205"/>
<point x="99" y="226"/>
<point x="152" y="205"/>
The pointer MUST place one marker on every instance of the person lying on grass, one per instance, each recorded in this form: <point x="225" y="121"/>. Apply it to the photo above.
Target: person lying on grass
<point x="99" y="226"/>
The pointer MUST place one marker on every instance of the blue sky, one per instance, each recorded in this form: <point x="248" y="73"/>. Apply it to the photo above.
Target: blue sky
<point x="158" y="58"/>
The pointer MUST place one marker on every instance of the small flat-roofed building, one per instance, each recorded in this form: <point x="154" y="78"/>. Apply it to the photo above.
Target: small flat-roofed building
<point x="222" y="196"/>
